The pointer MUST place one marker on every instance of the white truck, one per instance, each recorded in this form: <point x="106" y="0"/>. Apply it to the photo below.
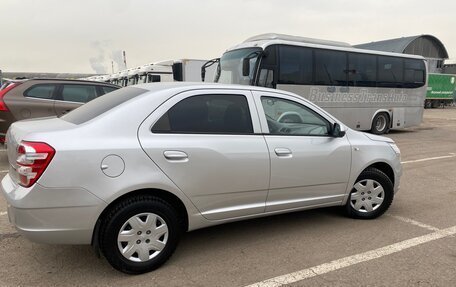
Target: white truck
<point x="187" y="70"/>
<point x="133" y="76"/>
<point x="151" y="73"/>
<point x="182" y="70"/>
<point x="123" y="78"/>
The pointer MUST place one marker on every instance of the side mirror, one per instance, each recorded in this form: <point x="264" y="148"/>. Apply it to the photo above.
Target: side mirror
<point x="207" y="65"/>
<point x="336" y="131"/>
<point x="246" y="67"/>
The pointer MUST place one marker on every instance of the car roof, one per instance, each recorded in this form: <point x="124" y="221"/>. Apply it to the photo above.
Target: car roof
<point x="184" y="86"/>
<point x="178" y="87"/>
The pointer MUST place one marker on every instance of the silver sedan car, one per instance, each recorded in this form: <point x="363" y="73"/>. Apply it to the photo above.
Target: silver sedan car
<point x="130" y="172"/>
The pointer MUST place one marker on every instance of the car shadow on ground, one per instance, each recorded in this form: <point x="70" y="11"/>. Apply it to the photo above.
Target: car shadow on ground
<point x="72" y="261"/>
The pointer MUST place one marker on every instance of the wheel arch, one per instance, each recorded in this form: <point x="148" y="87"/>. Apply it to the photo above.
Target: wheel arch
<point x="388" y="112"/>
<point x="159" y="193"/>
<point x="383" y="167"/>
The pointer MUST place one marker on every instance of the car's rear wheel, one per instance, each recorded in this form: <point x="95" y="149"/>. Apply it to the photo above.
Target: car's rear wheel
<point x="371" y="196"/>
<point x="140" y="234"/>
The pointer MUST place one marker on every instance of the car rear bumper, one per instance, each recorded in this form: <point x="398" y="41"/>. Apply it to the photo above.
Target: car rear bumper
<point x="50" y="215"/>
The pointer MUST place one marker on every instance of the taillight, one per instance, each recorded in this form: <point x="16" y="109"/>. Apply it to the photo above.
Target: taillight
<point x="3" y="92"/>
<point x="32" y="159"/>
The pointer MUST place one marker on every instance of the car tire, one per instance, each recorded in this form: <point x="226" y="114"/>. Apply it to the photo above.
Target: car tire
<point x="380" y="124"/>
<point x="131" y="237"/>
<point x="371" y="195"/>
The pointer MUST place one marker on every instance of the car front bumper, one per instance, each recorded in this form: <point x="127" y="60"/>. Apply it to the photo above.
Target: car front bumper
<point x="52" y="215"/>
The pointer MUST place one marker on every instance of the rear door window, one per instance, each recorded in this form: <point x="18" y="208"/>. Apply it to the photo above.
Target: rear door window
<point x="208" y="114"/>
<point x="78" y="93"/>
<point x="42" y="91"/>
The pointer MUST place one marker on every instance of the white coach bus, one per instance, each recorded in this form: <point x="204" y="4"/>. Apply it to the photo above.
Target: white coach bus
<point x="367" y="90"/>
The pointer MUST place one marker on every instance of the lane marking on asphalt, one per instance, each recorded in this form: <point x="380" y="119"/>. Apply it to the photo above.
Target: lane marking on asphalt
<point x="354" y="259"/>
<point x="450" y="155"/>
<point x="414" y="222"/>
<point x="3" y="213"/>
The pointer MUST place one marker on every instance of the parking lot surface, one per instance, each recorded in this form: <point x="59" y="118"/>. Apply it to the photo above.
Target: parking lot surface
<point x="413" y="244"/>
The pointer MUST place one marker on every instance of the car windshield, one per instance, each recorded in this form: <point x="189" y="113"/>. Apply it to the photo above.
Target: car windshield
<point x="229" y="70"/>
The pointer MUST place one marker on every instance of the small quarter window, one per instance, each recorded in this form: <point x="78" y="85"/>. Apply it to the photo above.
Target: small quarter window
<point x="216" y="114"/>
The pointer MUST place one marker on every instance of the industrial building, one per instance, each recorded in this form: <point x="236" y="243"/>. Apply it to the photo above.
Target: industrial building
<point x="449" y="69"/>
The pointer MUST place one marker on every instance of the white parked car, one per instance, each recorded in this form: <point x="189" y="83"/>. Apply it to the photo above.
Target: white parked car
<point x="130" y="172"/>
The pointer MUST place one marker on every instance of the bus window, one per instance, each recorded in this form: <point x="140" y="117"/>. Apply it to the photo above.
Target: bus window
<point x="362" y="70"/>
<point x="414" y="73"/>
<point x="296" y="65"/>
<point x="390" y="72"/>
<point x="330" y="68"/>
<point x="153" y="78"/>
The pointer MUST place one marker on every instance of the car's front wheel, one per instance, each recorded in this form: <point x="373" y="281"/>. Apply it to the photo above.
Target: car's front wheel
<point x="140" y="234"/>
<point x="371" y="196"/>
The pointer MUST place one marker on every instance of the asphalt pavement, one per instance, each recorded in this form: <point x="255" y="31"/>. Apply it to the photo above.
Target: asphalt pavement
<point x="413" y="244"/>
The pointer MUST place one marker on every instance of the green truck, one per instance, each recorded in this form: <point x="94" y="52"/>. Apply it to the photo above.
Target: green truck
<point x="441" y="90"/>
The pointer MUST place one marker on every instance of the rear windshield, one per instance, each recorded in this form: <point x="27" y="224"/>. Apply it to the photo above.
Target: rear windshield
<point x="101" y="105"/>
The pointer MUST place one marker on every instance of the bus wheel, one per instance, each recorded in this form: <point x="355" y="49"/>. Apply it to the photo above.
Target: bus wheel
<point x="380" y="124"/>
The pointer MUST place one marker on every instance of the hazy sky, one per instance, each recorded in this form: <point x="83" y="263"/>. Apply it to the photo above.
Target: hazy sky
<point x="85" y="36"/>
